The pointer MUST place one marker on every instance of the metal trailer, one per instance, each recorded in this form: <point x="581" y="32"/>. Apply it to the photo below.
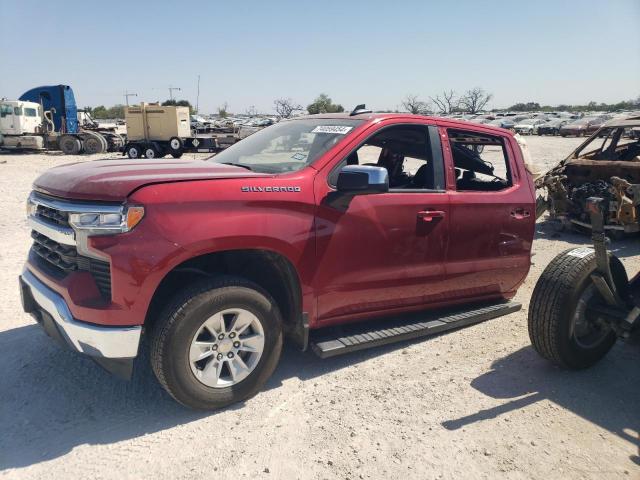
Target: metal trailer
<point x="154" y="131"/>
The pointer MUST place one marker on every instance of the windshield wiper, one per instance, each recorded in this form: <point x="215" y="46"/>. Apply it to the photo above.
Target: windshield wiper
<point x="237" y="165"/>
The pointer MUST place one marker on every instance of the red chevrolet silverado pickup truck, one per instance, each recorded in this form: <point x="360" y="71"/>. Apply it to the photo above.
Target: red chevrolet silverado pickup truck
<point x="337" y="232"/>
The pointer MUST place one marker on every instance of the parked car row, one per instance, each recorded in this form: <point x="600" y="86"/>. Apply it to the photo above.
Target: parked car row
<point x="548" y="123"/>
<point x="584" y="126"/>
<point x="201" y="124"/>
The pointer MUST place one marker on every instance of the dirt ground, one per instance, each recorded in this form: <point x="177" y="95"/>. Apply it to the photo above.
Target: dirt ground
<point x="475" y="403"/>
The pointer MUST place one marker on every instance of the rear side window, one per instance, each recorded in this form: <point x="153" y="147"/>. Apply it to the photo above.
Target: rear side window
<point x="480" y="160"/>
<point x="30" y="112"/>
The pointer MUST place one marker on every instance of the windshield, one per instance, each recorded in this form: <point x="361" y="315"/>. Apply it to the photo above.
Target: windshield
<point x="287" y="146"/>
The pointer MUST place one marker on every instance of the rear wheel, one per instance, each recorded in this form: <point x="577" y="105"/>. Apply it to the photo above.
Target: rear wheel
<point x="561" y="327"/>
<point x="217" y="343"/>
<point x="175" y="146"/>
<point x="93" y="145"/>
<point x="151" y="151"/>
<point x="70" y="145"/>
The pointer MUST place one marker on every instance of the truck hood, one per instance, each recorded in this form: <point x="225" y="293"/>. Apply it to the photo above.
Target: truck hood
<point x="110" y="180"/>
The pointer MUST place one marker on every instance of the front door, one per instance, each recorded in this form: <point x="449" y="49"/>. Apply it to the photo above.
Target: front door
<point x="384" y="252"/>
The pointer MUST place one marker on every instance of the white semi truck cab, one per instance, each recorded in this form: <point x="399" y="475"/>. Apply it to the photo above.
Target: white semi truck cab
<point x="20" y="124"/>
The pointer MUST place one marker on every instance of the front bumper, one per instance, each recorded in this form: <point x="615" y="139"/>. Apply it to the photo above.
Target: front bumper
<point x="112" y="347"/>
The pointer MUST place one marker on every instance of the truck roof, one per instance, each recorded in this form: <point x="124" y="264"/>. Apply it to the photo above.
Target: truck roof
<point x="19" y="103"/>
<point x="373" y="117"/>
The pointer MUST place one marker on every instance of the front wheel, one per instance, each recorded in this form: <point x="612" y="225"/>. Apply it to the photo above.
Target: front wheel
<point x="562" y="328"/>
<point x="134" y="151"/>
<point x="217" y="343"/>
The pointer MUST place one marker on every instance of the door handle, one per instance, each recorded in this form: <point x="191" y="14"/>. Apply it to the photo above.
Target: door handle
<point x="430" y="215"/>
<point x="520" y="213"/>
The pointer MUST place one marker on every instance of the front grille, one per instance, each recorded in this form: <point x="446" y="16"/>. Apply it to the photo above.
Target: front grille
<point x="52" y="215"/>
<point x="61" y="257"/>
<point x="60" y="260"/>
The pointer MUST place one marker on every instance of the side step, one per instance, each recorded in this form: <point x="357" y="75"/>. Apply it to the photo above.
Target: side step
<point x="350" y="338"/>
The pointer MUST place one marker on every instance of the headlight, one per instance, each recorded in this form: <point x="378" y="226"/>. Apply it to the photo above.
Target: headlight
<point x="107" y="223"/>
<point x="31" y="207"/>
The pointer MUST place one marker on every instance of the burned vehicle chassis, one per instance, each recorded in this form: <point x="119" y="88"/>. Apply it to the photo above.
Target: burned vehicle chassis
<point x="610" y="170"/>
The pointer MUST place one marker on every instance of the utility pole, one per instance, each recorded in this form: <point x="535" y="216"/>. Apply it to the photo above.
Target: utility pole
<point x="127" y="95"/>
<point x="171" y="89"/>
<point x="198" y="96"/>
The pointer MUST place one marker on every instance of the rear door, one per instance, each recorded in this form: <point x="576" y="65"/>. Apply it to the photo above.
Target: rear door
<point x="492" y="215"/>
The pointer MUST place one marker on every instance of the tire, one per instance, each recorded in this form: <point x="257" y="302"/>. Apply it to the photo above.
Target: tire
<point x="134" y="151"/>
<point x="150" y="151"/>
<point x="180" y="326"/>
<point x="557" y="311"/>
<point x="175" y="146"/>
<point x="176" y="154"/>
<point x="93" y="145"/>
<point x="70" y="145"/>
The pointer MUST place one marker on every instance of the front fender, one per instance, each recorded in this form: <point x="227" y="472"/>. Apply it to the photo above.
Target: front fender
<point x="174" y="231"/>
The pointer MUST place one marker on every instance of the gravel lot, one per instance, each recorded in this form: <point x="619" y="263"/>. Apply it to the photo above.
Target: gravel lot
<point x="475" y="403"/>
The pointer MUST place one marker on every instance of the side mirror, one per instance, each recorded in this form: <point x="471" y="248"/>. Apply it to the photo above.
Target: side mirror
<point x="362" y="180"/>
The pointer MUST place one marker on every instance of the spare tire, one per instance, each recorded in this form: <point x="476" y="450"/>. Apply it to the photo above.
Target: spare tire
<point x="561" y="328"/>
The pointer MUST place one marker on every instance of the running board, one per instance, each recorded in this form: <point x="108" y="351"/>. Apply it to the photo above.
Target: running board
<point x="353" y="337"/>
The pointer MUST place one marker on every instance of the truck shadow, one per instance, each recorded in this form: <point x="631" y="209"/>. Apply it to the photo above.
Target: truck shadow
<point x="607" y="394"/>
<point x="53" y="400"/>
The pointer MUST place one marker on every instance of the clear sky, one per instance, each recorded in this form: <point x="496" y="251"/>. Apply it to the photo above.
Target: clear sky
<point x="374" y="52"/>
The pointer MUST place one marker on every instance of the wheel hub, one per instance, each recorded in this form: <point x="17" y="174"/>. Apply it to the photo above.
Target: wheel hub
<point x="226" y="348"/>
<point x="587" y="332"/>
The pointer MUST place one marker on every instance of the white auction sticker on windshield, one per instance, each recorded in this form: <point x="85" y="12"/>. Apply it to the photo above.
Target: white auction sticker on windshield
<point x="335" y="129"/>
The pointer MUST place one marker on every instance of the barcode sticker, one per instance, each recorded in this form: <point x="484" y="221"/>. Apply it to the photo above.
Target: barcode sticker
<point x="335" y="129"/>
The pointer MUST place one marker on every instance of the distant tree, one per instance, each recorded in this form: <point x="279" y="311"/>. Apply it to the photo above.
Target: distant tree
<point x="179" y="103"/>
<point x="446" y="103"/>
<point x="323" y="104"/>
<point x="223" y="110"/>
<point x="525" y="107"/>
<point x="474" y="100"/>
<point x="251" y="111"/>
<point x="117" y="111"/>
<point x="413" y="104"/>
<point x="99" y="112"/>
<point x="286" y="107"/>
<point x="590" y="106"/>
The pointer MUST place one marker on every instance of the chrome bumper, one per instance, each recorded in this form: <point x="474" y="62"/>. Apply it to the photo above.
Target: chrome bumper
<point x="95" y="341"/>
